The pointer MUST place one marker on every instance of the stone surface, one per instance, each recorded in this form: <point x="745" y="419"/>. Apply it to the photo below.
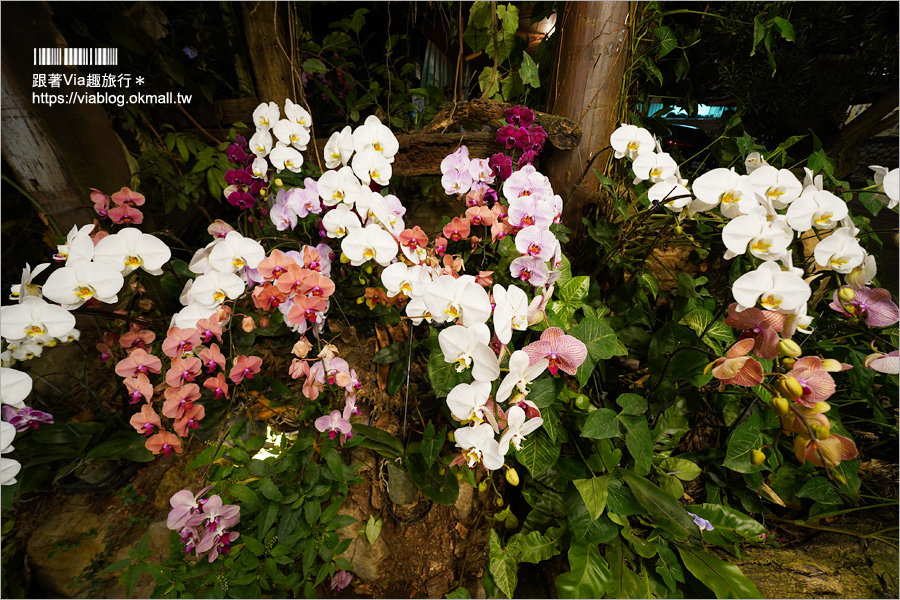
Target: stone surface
<point x="465" y="501"/>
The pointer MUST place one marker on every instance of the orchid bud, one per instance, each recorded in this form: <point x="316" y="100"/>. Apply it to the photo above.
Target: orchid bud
<point x="279" y="183"/>
<point x="789" y="348"/>
<point x="264" y="322"/>
<point x="831" y="365"/>
<point x="451" y="437"/>
<point x="788" y="362"/>
<point x="301" y="348"/>
<point x="780" y="406"/>
<point x="679" y="229"/>
<point x="247" y="324"/>
<point x="846" y="294"/>
<point x="344" y="258"/>
<point x="498" y="500"/>
<point x="483" y="486"/>
<point x="459" y="476"/>
<point x="821" y="432"/>
<point x="223" y="313"/>
<point x="789" y="387"/>
<point x="757" y="457"/>
<point x="839" y="479"/>
<point x="512" y="476"/>
<point x="368" y="269"/>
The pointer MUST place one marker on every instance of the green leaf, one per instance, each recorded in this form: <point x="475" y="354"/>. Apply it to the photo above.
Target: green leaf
<point x="312" y="510"/>
<point x="268" y="489"/>
<point x="668" y="566"/>
<point x="784" y="27"/>
<point x="503" y="566"/>
<point x="594" y="492"/>
<point x="392" y="353"/>
<point x="544" y="392"/>
<point x="624" y="582"/>
<point x="443" y="489"/>
<point x="820" y="490"/>
<point x="684" y="470"/>
<point x="588" y="576"/>
<point x="699" y="321"/>
<point x="253" y="545"/>
<point x="730" y="525"/>
<point x="356" y="22"/>
<point x="373" y="529"/>
<point x="667" y="41"/>
<point x="659" y="504"/>
<point x="723" y="578"/>
<point x="528" y="71"/>
<point x="584" y="528"/>
<point x="746" y="438"/>
<point x="669" y="355"/>
<point x="243" y="494"/>
<point x="538" y="452"/>
<point x="601" y="424"/>
<point x="535" y="547"/>
<point x="432" y="444"/>
<point x="268" y="520"/>
<point x="632" y="404"/>
<point x="459" y="592"/>
<point x="638" y="442"/>
<point x="601" y="343"/>
<point x="380" y="436"/>
<point x="649" y="282"/>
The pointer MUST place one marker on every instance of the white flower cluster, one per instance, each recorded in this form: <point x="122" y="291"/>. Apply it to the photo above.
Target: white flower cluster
<point x="222" y="267"/>
<point x="291" y="137"/>
<point x="765" y="207"/>
<point x="15" y="386"/>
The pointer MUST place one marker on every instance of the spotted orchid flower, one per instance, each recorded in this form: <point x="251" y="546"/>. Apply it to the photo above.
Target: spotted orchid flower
<point x="564" y="352"/>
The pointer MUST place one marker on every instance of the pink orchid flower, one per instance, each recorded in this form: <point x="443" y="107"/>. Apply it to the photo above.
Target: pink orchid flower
<point x="189" y="420"/>
<point x="179" y="400"/>
<point x="163" y="443"/>
<point x="816" y="382"/>
<point x="184" y="504"/>
<point x="333" y="424"/>
<point x="245" y="367"/>
<point x="126" y="197"/>
<point x="126" y="215"/>
<point x="146" y="421"/>
<point x="884" y="363"/>
<point x="763" y="326"/>
<point x="564" y="352"/>
<point x="737" y="368"/>
<point x="180" y="341"/>
<point x="139" y="387"/>
<point x="183" y="370"/>
<point x="874" y="306"/>
<point x="138" y="362"/>
<point x="218" y="385"/>
<point x="212" y="357"/>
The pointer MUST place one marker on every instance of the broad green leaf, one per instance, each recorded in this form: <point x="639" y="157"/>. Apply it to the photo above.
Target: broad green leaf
<point x="588" y="575"/>
<point x="545" y="391"/>
<point x="668" y="566"/>
<point x="373" y="529"/>
<point x="268" y="489"/>
<point x="538" y="452"/>
<point x="650" y="283"/>
<point x="432" y="444"/>
<point x="784" y="27"/>
<point x="243" y="494"/>
<point x="820" y="490"/>
<point x="670" y="485"/>
<point x="730" y="525"/>
<point x="314" y="65"/>
<point x="380" y="436"/>
<point x="684" y="470"/>
<point x="503" y="566"/>
<point x="624" y="582"/>
<point x="593" y="492"/>
<point x="458" y="593"/>
<point x="601" y="424"/>
<point x="392" y="353"/>
<point x="667" y="41"/>
<point x="601" y="343"/>
<point x="723" y="578"/>
<point x="253" y="545"/>
<point x="441" y="374"/>
<point x="670" y="356"/>
<point x="746" y="438"/>
<point x="443" y="489"/>
<point x="658" y="504"/>
<point x="575" y="291"/>
<point x="584" y="528"/>
<point x="528" y="71"/>
<point x="632" y="404"/>
<point x="638" y="442"/>
<point x="534" y="547"/>
<point x="700" y="320"/>
<point x="207" y="456"/>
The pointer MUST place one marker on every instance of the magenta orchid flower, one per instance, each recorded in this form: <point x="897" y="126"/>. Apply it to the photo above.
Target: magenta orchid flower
<point x="25" y="418"/>
<point x="874" y="306"/>
<point x="341" y="580"/>
<point x="333" y="424"/>
<point x="563" y="351"/>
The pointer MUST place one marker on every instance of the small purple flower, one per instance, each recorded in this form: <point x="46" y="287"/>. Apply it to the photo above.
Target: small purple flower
<point x="874" y="306"/>
<point x="25" y="418"/>
<point x="538" y="137"/>
<point x="238" y="177"/>
<point x="527" y="158"/>
<point x="241" y="199"/>
<point x="702" y="523"/>
<point x="505" y="136"/>
<point x="522" y="139"/>
<point x="520" y="116"/>
<point x="236" y="153"/>
<point x="341" y="580"/>
<point x="190" y="51"/>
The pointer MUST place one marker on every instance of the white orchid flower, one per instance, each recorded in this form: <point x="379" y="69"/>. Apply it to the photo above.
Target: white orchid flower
<point x="520" y="376"/>
<point x="840" y="251"/>
<point x="467" y="401"/>
<point x="297" y="114"/>
<point x="234" y="252"/>
<point x="862" y="275"/>
<point x="449" y="299"/>
<point x="259" y="168"/>
<point x="371" y="165"/>
<point x="654" y="166"/>
<point x="889" y="183"/>
<point x="398" y="278"/>
<point x="261" y="143"/>
<point x="339" y="148"/>
<point x="25" y="289"/>
<point x="725" y="188"/>
<point x="782" y="291"/>
<point x="265" y="116"/>
<point x="334" y="186"/>
<point x="286" y="157"/>
<point x="670" y="193"/>
<point x="188" y="316"/>
<point x="78" y="246"/>
<point x="754" y="161"/>
<point x="778" y="185"/>
<point x="370" y="243"/>
<point x="417" y="310"/>
<point x="79" y="281"/>
<point x="27" y="350"/>
<point x="131" y="248"/>
<point x="510" y="311"/>
<point x="375" y="136"/>
<point x="215" y="287"/>
<point x="478" y="445"/>
<point x="468" y="347"/>
<point x="34" y="317"/>
<point x="766" y="236"/>
<point x="340" y="221"/>
<point x="812" y="180"/>
<point x="630" y="141"/>
<point x="292" y="134"/>
<point x="15" y="386"/>
<point x="7" y="435"/>
<point x="517" y="428"/>
<point x="816" y="208"/>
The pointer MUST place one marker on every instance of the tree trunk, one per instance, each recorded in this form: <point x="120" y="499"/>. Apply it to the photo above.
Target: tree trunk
<point x="268" y="42"/>
<point x="586" y="86"/>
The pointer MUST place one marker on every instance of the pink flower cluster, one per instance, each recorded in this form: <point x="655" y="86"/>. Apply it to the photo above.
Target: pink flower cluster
<point x="297" y="284"/>
<point x="521" y="134"/>
<point x="124" y="206"/>
<point x="204" y="524"/>
<point x="329" y="372"/>
<point x="294" y="204"/>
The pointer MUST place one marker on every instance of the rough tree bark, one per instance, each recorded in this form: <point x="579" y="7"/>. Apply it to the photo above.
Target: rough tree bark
<point x="592" y="54"/>
<point x="266" y="37"/>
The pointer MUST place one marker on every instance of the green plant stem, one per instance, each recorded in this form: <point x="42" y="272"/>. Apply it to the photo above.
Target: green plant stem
<point x="864" y="536"/>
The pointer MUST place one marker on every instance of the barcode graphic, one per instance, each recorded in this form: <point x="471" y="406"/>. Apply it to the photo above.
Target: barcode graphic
<point x="76" y="56"/>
